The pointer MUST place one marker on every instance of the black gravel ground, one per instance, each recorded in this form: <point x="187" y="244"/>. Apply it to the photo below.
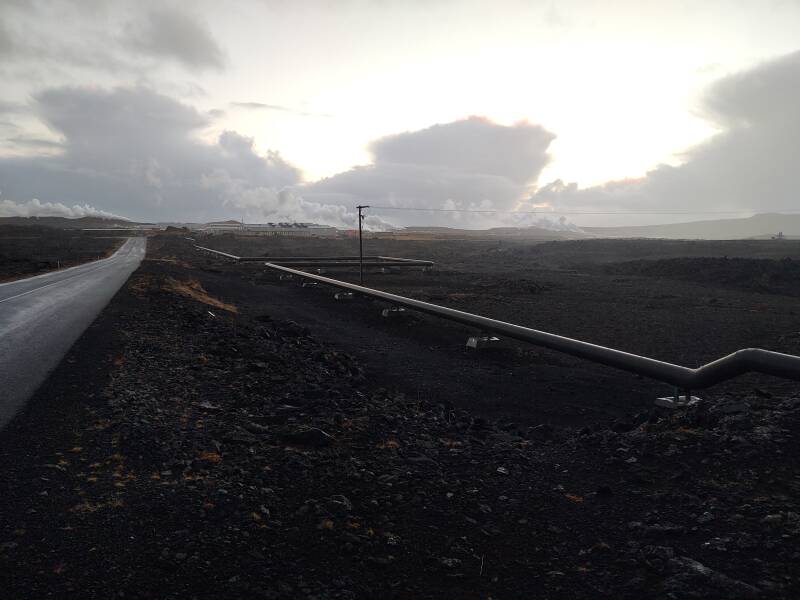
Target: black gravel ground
<point x="31" y="250"/>
<point x="202" y="446"/>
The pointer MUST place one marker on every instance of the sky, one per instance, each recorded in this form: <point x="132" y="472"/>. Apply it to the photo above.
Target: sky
<point x="552" y="113"/>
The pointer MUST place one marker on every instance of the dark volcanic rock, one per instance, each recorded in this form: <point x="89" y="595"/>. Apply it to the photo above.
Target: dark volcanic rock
<point x="228" y="456"/>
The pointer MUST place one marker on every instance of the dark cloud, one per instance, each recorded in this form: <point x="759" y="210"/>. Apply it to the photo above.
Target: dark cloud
<point x="177" y="36"/>
<point x="30" y="41"/>
<point x="474" y="145"/>
<point x="7" y="43"/>
<point x="49" y="34"/>
<point x="110" y="125"/>
<point x="750" y="165"/>
<point x="16" y="5"/>
<point x="767" y="94"/>
<point x="7" y="108"/>
<point x="53" y="41"/>
<point x="135" y="152"/>
<point x="47" y="42"/>
<point x="471" y="164"/>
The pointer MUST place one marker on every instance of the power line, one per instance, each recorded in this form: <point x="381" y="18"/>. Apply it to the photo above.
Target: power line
<point x="578" y="212"/>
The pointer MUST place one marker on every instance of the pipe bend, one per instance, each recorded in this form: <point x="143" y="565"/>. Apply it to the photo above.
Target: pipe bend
<point x="749" y="354"/>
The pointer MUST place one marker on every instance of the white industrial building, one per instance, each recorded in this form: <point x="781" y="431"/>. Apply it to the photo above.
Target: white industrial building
<point x="271" y="229"/>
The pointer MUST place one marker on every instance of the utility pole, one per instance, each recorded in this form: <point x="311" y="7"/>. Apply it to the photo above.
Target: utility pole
<point x="360" y="245"/>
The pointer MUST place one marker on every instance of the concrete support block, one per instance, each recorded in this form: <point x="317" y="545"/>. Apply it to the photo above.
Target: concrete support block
<point x="671" y="402"/>
<point x="482" y="342"/>
<point x="394" y="312"/>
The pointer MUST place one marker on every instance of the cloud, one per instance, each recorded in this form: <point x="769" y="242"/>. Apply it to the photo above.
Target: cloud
<point x="112" y="125"/>
<point x="9" y="108"/>
<point x="275" y="107"/>
<point x="35" y="208"/>
<point x="177" y="36"/>
<point x="135" y="152"/>
<point x="766" y="94"/>
<point x="471" y="164"/>
<point x="32" y="142"/>
<point x="475" y="145"/>
<point x="260" y="106"/>
<point x="46" y="39"/>
<point x="52" y="43"/>
<point x="260" y="203"/>
<point x="7" y="43"/>
<point x="750" y="165"/>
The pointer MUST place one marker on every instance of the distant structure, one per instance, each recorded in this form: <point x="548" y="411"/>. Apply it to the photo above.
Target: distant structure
<point x="271" y="229"/>
<point x="778" y="237"/>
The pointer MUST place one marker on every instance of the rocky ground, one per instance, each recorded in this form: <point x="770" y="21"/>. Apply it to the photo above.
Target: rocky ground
<point x="761" y="275"/>
<point x="196" y="444"/>
<point x="30" y="250"/>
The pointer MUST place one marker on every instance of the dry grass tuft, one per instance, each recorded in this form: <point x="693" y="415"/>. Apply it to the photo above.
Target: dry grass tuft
<point x="171" y="260"/>
<point x="191" y="288"/>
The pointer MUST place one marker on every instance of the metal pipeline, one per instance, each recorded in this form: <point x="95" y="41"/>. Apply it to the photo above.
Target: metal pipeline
<point x="686" y="378"/>
<point x="738" y="363"/>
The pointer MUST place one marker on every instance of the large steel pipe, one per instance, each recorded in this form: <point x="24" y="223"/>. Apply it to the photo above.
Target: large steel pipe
<point x="728" y="367"/>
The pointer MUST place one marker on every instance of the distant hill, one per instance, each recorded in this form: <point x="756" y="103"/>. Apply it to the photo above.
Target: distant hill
<point x="763" y="226"/>
<point x="65" y="223"/>
<point x="524" y="233"/>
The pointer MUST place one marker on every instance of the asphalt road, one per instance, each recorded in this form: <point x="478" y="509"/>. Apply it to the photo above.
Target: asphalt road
<point x="42" y="316"/>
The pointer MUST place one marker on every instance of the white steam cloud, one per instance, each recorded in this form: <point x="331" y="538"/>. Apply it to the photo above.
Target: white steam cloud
<point x="261" y="203"/>
<point x="36" y="208"/>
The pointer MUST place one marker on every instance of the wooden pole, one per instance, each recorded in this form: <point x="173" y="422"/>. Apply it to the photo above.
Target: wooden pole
<point x="360" y="245"/>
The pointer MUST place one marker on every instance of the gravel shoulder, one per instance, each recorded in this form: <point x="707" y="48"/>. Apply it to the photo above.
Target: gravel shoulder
<point x="197" y="443"/>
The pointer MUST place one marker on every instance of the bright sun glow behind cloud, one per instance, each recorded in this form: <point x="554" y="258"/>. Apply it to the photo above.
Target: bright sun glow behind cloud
<point x="617" y="85"/>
